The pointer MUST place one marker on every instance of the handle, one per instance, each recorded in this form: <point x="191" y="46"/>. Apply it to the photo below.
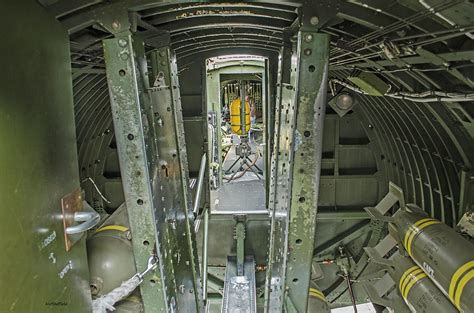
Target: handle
<point x="89" y="219"/>
<point x="197" y="199"/>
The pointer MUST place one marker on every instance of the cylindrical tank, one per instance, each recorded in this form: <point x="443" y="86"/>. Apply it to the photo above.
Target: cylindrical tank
<point x="417" y="289"/>
<point x="111" y="260"/>
<point x="440" y="251"/>
<point x="235" y="123"/>
<point x="110" y="255"/>
<point x="317" y="302"/>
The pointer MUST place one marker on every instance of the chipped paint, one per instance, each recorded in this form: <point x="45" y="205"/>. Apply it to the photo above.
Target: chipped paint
<point x="298" y="140"/>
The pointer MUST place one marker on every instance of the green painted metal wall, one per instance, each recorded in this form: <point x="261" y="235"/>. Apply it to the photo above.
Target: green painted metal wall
<point x="38" y="165"/>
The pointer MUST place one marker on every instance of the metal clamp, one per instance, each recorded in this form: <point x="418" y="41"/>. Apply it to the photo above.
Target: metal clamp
<point x="151" y="265"/>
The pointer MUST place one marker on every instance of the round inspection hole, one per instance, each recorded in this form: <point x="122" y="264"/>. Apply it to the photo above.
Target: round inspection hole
<point x="130" y="137"/>
<point x="311" y="68"/>
<point x="307" y="133"/>
<point x="298" y="241"/>
<point x="140" y="202"/>
<point x="122" y="72"/>
<point x="302" y="199"/>
<point x="94" y="289"/>
<point x="146" y="243"/>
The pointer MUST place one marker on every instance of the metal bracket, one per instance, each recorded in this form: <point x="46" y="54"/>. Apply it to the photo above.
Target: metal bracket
<point x="374" y="296"/>
<point x="314" y="15"/>
<point x="394" y="195"/>
<point x="114" y="18"/>
<point x="240" y="237"/>
<point x="376" y="258"/>
<point x="375" y="214"/>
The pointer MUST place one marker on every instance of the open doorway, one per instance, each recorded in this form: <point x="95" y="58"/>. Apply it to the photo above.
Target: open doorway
<point x="236" y="106"/>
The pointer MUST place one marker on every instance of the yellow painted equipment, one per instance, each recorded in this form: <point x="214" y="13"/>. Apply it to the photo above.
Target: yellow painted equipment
<point x="235" y="117"/>
<point x="317" y="302"/>
<point x="445" y="256"/>
<point x="417" y="289"/>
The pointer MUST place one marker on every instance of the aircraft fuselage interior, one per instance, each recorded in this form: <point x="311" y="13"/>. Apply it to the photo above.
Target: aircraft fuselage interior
<point x="237" y="156"/>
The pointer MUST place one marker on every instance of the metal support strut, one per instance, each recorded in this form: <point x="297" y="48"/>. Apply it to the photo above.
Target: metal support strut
<point x="125" y="82"/>
<point x="296" y="165"/>
<point x="152" y="153"/>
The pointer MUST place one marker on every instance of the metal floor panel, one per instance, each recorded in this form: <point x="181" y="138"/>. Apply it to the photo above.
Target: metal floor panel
<point x="239" y="196"/>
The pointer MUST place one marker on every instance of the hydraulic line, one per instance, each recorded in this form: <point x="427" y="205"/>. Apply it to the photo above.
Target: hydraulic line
<point x="426" y="96"/>
<point x="234" y="177"/>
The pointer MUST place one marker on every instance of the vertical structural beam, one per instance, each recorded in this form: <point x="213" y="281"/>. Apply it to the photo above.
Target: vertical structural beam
<point x="126" y="86"/>
<point x="279" y="194"/>
<point x="243" y="107"/>
<point x="205" y="246"/>
<point x="213" y="110"/>
<point x="295" y="180"/>
<point x="311" y="92"/>
<point x="174" y="199"/>
<point x="267" y="81"/>
<point x="284" y="67"/>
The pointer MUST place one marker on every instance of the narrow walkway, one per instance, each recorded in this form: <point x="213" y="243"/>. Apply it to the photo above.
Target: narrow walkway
<point x="246" y="193"/>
